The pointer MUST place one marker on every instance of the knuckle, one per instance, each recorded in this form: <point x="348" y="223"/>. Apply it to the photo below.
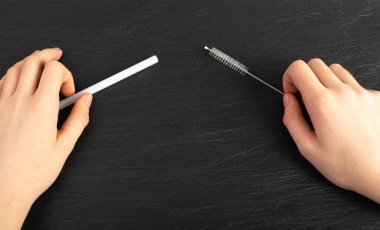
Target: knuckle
<point x="314" y="61"/>
<point x="335" y="66"/>
<point x="54" y="65"/>
<point x="4" y="82"/>
<point x="68" y="75"/>
<point x="296" y="65"/>
<point x="32" y="59"/>
<point x="288" y="117"/>
<point x="348" y="92"/>
<point x="13" y="71"/>
<point x="84" y="118"/>
<point x="36" y="54"/>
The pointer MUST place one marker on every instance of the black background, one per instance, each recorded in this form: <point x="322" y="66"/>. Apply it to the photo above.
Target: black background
<point x="188" y="143"/>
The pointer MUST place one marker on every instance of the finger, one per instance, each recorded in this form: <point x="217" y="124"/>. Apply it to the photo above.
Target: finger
<point x="73" y="127"/>
<point x="32" y="67"/>
<point x="15" y="70"/>
<point x="55" y="78"/>
<point x="9" y="81"/>
<point x="299" y="129"/>
<point x="343" y="74"/>
<point x="299" y="77"/>
<point x="12" y="77"/>
<point x="323" y="73"/>
<point x="19" y="64"/>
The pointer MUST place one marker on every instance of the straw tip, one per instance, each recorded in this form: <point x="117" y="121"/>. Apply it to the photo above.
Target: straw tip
<point x="155" y="59"/>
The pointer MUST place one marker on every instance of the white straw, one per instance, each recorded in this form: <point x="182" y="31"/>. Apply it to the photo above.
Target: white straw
<point x="109" y="81"/>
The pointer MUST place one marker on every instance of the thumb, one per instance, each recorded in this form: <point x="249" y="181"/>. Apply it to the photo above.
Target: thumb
<point x="74" y="125"/>
<point x="299" y="129"/>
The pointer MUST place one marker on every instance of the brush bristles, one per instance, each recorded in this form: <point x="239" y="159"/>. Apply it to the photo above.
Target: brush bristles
<point x="227" y="60"/>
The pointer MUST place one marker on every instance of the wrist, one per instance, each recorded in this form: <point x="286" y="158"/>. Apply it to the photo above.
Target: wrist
<point x="13" y="212"/>
<point x="368" y="182"/>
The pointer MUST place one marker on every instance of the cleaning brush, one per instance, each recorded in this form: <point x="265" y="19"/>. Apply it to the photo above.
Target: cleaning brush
<point x="235" y="65"/>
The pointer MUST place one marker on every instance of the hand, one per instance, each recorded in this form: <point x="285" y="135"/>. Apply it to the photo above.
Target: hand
<point x="344" y="145"/>
<point x="32" y="150"/>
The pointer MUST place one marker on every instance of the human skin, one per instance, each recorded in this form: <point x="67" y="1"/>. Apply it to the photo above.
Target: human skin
<point x="32" y="149"/>
<point x="343" y="144"/>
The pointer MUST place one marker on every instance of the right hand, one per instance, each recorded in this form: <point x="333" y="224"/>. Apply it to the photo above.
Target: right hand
<point x="344" y="145"/>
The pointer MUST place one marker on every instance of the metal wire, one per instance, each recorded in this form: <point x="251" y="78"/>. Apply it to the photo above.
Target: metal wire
<point x="235" y="65"/>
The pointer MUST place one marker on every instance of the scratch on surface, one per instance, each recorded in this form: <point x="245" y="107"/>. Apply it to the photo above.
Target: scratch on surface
<point x="246" y="151"/>
<point x="232" y="103"/>
<point x="221" y="160"/>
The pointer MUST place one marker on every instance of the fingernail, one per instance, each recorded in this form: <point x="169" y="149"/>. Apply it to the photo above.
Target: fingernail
<point x="56" y="48"/>
<point x="89" y="100"/>
<point x="286" y="100"/>
<point x="37" y="51"/>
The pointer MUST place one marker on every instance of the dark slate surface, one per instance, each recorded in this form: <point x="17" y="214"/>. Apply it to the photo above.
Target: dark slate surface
<point x="189" y="144"/>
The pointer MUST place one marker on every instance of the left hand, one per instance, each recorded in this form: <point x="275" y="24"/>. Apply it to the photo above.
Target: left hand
<point x="32" y="150"/>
